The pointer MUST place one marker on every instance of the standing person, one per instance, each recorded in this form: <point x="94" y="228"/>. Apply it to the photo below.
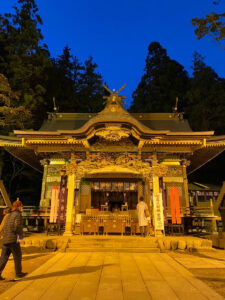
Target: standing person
<point x="142" y="220"/>
<point x="12" y="233"/>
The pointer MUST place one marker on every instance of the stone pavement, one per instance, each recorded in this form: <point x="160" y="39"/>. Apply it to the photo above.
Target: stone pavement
<point x="110" y="275"/>
<point x="201" y="260"/>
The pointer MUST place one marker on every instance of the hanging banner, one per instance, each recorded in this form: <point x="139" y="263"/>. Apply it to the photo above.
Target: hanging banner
<point x="175" y="205"/>
<point x="54" y="204"/>
<point x="62" y="200"/>
<point x="158" y="211"/>
<point x="164" y="207"/>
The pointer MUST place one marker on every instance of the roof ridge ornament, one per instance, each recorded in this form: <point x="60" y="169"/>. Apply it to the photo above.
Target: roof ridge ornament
<point x="113" y="91"/>
<point x="114" y="102"/>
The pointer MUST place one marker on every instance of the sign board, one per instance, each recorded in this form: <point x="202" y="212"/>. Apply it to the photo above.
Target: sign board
<point x="158" y="211"/>
<point x="53" y="179"/>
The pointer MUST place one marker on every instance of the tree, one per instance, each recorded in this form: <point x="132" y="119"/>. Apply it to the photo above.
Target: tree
<point x="23" y="57"/>
<point x="11" y="116"/>
<point x="164" y="80"/>
<point x="212" y="24"/>
<point x="205" y="104"/>
<point x="91" y="88"/>
<point x="64" y="82"/>
<point x="77" y="87"/>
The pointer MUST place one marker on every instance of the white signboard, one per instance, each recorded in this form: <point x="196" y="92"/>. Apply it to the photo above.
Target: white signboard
<point x="158" y="211"/>
<point x="53" y="179"/>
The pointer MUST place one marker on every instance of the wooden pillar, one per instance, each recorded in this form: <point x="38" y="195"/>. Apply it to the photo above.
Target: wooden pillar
<point x="148" y="192"/>
<point x="43" y="187"/>
<point x="140" y="189"/>
<point x="45" y="223"/>
<point x="187" y="204"/>
<point x="155" y="186"/>
<point x="149" y="203"/>
<point x="77" y="206"/>
<point x="69" y="207"/>
<point x="214" y="225"/>
<point x="155" y="181"/>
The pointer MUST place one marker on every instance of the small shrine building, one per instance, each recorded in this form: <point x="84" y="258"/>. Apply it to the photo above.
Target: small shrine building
<point x="100" y="164"/>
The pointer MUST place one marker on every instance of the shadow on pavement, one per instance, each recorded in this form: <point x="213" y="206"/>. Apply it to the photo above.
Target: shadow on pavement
<point x="211" y="279"/>
<point x="201" y="255"/>
<point x="70" y="271"/>
<point x="34" y="256"/>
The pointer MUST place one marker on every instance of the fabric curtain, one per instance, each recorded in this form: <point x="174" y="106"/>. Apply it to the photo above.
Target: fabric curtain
<point x="175" y="205"/>
<point x="62" y="200"/>
<point x="164" y="207"/>
<point x="54" y="204"/>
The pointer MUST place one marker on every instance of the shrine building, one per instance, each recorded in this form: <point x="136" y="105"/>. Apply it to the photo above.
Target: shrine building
<point x="97" y="165"/>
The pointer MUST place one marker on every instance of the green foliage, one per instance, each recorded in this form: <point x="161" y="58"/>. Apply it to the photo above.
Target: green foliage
<point x="11" y="115"/>
<point x="23" y="59"/>
<point x="91" y="88"/>
<point x="205" y="105"/>
<point x="164" y="80"/>
<point x="63" y="82"/>
<point x="212" y="24"/>
<point x="76" y="87"/>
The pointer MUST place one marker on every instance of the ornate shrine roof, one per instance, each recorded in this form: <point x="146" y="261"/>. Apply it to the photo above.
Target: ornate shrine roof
<point x="153" y="121"/>
<point x="163" y="132"/>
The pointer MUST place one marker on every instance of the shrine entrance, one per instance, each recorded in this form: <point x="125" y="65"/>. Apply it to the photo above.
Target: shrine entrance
<point x="108" y="183"/>
<point x="114" y="195"/>
<point x="114" y="200"/>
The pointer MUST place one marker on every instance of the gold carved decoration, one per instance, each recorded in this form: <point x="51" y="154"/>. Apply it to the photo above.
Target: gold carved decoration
<point x="174" y="171"/>
<point x="101" y="144"/>
<point x="113" y="133"/>
<point x="101" y="160"/>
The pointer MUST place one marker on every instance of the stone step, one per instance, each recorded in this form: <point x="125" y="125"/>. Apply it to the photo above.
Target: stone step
<point x="109" y="249"/>
<point x="113" y="245"/>
<point x="87" y="240"/>
<point x="142" y="241"/>
<point x="110" y="238"/>
<point x="149" y="244"/>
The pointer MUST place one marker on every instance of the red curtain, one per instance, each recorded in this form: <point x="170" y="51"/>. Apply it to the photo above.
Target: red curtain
<point x="175" y="205"/>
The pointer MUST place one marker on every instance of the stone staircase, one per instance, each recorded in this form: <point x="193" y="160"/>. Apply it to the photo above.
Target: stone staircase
<point x="112" y="244"/>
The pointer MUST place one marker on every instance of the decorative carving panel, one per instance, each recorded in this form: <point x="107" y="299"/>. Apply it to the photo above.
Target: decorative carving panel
<point x="175" y="171"/>
<point x="125" y="160"/>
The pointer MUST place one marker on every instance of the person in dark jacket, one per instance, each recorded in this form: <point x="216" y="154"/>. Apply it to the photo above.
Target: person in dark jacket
<point x="12" y="233"/>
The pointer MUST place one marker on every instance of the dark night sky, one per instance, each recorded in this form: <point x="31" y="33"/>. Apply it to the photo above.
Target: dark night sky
<point x="117" y="33"/>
